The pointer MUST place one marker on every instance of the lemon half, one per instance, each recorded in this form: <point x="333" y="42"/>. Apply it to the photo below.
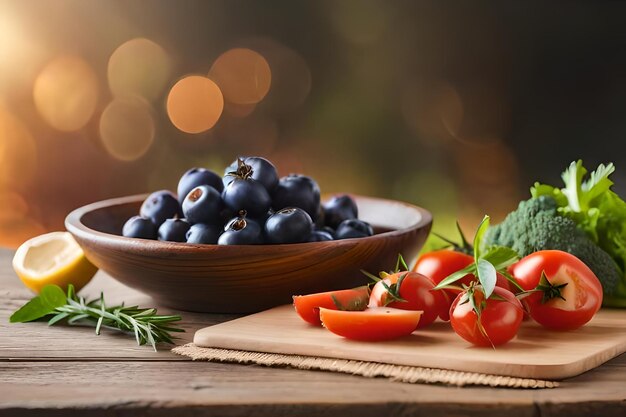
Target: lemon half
<point x="53" y="258"/>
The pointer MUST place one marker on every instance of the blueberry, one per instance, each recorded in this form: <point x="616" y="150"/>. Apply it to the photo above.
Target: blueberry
<point x="241" y="231"/>
<point x="338" y="209"/>
<point x="160" y="205"/>
<point x="195" y="177"/>
<point x="203" y="204"/>
<point x="328" y="230"/>
<point x="245" y="193"/>
<point x="140" y="227"/>
<point x="320" y="236"/>
<point x="352" y="228"/>
<point x="263" y="171"/>
<point x="203" y="233"/>
<point x="320" y="219"/>
<point x="289" y="225"/>
<point x="261" y="219"/>
<point x="174" y="230"/>
<point x="297" y="191"/>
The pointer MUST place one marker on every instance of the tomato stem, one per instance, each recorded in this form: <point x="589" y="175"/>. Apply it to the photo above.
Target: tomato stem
<point x="548" y="289"/>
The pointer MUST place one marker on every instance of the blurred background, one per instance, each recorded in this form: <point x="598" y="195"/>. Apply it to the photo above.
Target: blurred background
<point x="455" y="106"/>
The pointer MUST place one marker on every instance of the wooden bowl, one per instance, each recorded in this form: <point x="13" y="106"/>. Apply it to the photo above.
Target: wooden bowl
<point x="249" y="278"/>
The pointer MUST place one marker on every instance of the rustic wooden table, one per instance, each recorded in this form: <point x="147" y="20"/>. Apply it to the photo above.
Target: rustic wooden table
<point x="68" y="371"/>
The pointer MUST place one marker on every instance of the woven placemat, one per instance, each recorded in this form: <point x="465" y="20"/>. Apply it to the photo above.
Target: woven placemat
<point x="401" y="373"/>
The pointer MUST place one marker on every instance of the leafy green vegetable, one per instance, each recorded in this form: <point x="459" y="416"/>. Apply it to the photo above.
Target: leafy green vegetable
<point x="585" y="204"/>
<point x="536" y="225"/>
<point x="144" y="323"/>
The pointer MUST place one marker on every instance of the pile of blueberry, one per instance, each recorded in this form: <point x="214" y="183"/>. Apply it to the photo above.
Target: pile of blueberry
<point x="249" y="205"/>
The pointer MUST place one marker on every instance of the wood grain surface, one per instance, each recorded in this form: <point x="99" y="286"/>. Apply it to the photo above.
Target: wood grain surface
<point x="68" y="371"/>
<point x="535" y="353"/>
<point x="247" y="278"/>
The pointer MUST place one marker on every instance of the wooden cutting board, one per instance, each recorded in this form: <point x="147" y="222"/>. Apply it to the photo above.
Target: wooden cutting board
<point x="535" y="353"/>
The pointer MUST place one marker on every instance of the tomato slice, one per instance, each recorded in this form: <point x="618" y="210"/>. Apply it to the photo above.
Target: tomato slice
<point x="308" y="306"/>
<point x="417" y="292"/>
<point x="373" y="324"/>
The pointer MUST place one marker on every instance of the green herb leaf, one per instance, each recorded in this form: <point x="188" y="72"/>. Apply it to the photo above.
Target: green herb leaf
<point x="144" y="323"/>
<point x="511" y="279"/>
<point x="452" y="278"/>
<point x="478" y="237"/>
<point x="501" y="257"/>
<point x="487" y="276"/>
<point x="51" y="297"/>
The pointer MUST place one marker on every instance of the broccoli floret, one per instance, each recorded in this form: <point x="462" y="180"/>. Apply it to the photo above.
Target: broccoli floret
<point x="536" y="225"/>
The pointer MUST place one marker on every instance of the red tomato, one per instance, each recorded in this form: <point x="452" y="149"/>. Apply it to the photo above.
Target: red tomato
<point x="308" y="306"/>
<point x="500" y="317"/>
<point x="580" y="288"/>
<point x="416" y="289"/>
<point x="373" y="324"/>
<point x="440" y="264"/>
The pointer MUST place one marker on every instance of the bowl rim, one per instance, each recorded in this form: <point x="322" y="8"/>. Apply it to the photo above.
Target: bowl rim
<point x="75" y="225"/>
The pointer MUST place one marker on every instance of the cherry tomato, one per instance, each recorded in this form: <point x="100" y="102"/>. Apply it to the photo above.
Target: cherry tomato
<point x="440" y="264"/>
<point x="500" y="316"/>
<point x="372" y="324"/>
<point x="573" y="294"/>
<point x="417" y="291"/>
<point x="308" y="306"/>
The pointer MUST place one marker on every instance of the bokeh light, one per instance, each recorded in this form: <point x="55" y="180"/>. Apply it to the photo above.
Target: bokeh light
<point x="434" y="110"/>
<point x="127" y="128"/>
<point x="239" y="110"/>
<point x="195" y="104"/>
<point x="66" y="93"/>
<point x="139" y="67"/>
<point x="243" y="75"/>
<point x="20" y="52"/>
<point x="291" y="76"/>
<point x="18" y="152"/>
<point x="361" y="22"/>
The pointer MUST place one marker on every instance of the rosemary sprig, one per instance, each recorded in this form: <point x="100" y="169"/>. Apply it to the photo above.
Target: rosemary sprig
<point x="144" y="323"/>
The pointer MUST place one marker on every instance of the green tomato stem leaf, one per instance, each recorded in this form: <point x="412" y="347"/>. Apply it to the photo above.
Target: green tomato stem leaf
<point x="478" y="237"/>
<point x="487" y="276"/>
<point x="501" y="257"/>
<point x="452" y="278"/>
<point x="511" y="279"/>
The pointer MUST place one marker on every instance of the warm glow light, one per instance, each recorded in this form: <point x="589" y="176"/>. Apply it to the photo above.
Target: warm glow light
<point x="15" y="224"/>
<point x="20" y="51"/>
<point x="195" y="104"/>
<point x="239" y="110"/>
<point x="66" y="93"/>
<point x="127" y="128"/>
<point x="139" y="67"/>
<point x="243" y="75"/>
<point x="18" y="152"/>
